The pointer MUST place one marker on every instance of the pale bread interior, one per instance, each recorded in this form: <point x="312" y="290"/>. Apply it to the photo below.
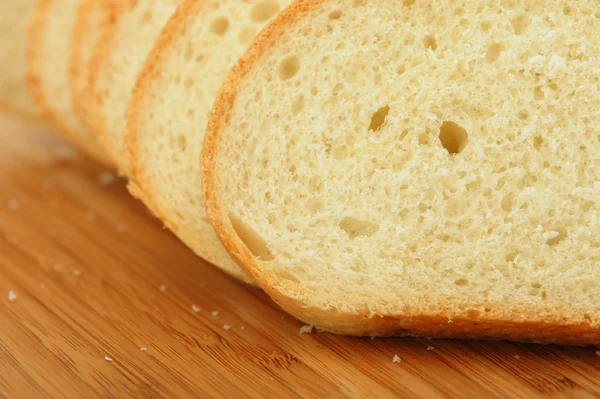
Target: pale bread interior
<point x="14" y="19"/>
<point x="125" y="45"/>
<point x="170" y="111"/>
<point x="436" y="157"/>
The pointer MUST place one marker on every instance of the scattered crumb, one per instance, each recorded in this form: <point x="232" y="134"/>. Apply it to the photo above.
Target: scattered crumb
<point x="108" y="359"/>
<point x="65" y="153"/>
<point x="13" y="205"/>
<point x="396" y="359"/>
<point x="121" y="228"/>
<point x="106" y="178"/>
<point x="195" y="308"/>
<point x="215" y="313"/>
<point x="143" y="349"/>
<point x="226" y="327"/>
<point x="243" y="328"/>
<point x="430" y="348"/>
<point x="597" y="353"/>
<point x="162" y="288"/>
<point x="90" y="215"/>
<point x="12" y="296"/>
<point x="517" y="357"/>
<point x="76" y="272"/>
<point x="306" y="329"/>
<point x="47" y="183"/>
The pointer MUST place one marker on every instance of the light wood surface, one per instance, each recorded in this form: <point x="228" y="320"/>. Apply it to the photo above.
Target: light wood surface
<point x="87" y="262"/>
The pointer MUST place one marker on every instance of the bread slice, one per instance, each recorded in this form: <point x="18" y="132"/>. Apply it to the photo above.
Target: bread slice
<point x="14" y="19"/>
<point x="92" y="16"/>
<point x="124" y="44"/>
<point x="48" y="72"/>
<point x="417" y="167"/>
<point x="169" y="110"/>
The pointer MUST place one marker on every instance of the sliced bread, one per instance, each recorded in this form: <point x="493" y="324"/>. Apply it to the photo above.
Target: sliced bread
<point x="124" y="44"/>
<point x="170" y="107"/>
<point x="417" y="167"/>
<point x="92" y="16"/>
<point x="48" y="72"/>
<point x="14" y="19"/>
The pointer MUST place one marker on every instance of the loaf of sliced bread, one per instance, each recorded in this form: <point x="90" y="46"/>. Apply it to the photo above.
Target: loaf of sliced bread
<point x="92" y="16"/>
<point x="125" y="43"/>
<point x="417" y="167"/>
<point x="14" y="19"/>
<point x="48" y="72"/>
<point x="170" y="108"/>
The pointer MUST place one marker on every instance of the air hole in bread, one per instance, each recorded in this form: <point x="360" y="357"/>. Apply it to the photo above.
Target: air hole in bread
<point x="538" y="94"/>
<point x="559" y="235"/>
<point x="298" y="104"/>
<point x="429" y="42"/>
<point x="473" y="314"/>
<point x="485" y="26"/>
<point x="181" y="143"/>
<point x="408" y="2"/>
<point x="264" y="10"/>
<point x="246" y="35"/>
<point x="567" y="10"/>
<point x="378" y="118"/>
<point x="507" y="203"/>
<point x="493" y="52"/>
<point x="461" y="282"/>
<point x="219" y="26"/>
<point x="520" y="23"/>
<point x="453" y="137"/>
<point x="251" y="239"/>
<point x="523" y="115"/>
<point x="289" y="67"/>
<point x="537" y="142"/>
<point x="357" y="228"/>
<point x="335" y="14"/>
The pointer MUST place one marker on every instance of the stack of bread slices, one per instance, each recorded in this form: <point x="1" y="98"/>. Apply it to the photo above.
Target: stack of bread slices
<point x="378" y="167"/>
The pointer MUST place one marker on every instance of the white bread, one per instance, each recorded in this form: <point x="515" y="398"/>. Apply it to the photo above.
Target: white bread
<point x="92" y="16"/>
<point x="169" y="110"/>
<point x="123" y="46"/>
<point x="417" y="167"/>
<point x="14" y="19"/>
<point x="48" y="72"/>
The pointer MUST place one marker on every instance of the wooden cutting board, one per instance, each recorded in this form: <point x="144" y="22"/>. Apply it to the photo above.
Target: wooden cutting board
<point x="110" y="304"/>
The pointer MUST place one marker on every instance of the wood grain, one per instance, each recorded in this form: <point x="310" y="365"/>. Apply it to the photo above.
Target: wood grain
<point x="87" y="262"/>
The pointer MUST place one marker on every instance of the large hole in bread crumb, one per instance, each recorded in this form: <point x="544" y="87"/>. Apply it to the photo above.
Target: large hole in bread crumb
<point x="219" y="26"/>
<point x="453" y="137"/>
<point x="429" y="42"/>
<point x="356" y="227"/>
<point x="378" y="118"/>
<point x="264" y="10"/>
<point x="493" y="52"/>
<point x="254" y="242"/>
<point x="289" y="67"/>
<point x="520" y="23"/>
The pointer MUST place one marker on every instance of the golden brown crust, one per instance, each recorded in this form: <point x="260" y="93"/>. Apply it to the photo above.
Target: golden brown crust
<point x="140" y="186"/>
<point x="510" y="324"/>
<point x="34" y="80"/>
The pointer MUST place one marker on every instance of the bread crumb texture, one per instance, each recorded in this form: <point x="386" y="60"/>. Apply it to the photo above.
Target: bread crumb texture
<point x="396" y="359"/>
<point x="424" y="158"/>
<point x="170" y="110"/>
<point x="12" y="296"/>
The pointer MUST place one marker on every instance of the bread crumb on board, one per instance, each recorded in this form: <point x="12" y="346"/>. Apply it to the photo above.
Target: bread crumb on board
<point x="306" y="329"/>
<point x="196" y="309"/>
<point x="396" y="359"/>
<point x="13" y="205"/>
<point x="226" y="327"/>
<point x="76" y="272"/>
<point x="517" y="357"/>
<point x="12" y="296"/>
<point x="106" y="178"/>
<point x="597" y="353"/>
<point x="430" y="348"/>
<point x="214" y="313"/>
<point x="143" y="349"/>
<point x="162" y="288"/>
<point x="108" y="359"/>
